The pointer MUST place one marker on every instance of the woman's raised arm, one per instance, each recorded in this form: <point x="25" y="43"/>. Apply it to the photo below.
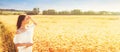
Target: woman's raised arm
<point x="33" y="21"/>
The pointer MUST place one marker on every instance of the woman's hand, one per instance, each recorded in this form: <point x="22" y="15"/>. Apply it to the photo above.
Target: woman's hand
<point x="28" y="17"/>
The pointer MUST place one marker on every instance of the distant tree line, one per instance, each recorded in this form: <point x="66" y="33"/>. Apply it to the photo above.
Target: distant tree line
<point x="78" y="12"/>
<point x="36" y="11"/>
<point x="10" y="12"/>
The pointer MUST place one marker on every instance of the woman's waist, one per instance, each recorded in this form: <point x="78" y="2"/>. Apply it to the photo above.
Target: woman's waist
<point x="23" y="44"/>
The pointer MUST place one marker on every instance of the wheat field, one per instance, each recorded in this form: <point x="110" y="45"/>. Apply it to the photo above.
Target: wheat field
<point x="85" y="33"/>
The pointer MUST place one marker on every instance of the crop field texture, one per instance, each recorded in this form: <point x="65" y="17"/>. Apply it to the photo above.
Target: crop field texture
<point x="72" y="33"/>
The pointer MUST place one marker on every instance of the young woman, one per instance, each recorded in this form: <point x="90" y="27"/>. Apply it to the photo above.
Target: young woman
<point x="24" y="34"/>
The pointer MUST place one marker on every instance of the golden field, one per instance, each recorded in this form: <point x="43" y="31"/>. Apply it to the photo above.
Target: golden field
<point x="69" y="33"/>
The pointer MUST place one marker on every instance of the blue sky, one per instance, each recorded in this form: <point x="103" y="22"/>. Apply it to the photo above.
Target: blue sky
<point x="85" y="5"/>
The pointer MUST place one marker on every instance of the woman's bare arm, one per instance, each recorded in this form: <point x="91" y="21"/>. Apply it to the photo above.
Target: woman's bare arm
<point x="33" y="21"/>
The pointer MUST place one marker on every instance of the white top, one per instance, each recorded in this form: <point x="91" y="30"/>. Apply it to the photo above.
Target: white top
<point x="26" y="36"/>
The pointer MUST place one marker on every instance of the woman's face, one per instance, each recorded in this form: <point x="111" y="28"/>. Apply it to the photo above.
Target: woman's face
<point x="26" y="20"/>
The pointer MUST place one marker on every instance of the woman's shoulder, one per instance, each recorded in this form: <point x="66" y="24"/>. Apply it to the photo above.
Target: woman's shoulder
<point x="31" y="25"/>
<point x="19" y="31"/>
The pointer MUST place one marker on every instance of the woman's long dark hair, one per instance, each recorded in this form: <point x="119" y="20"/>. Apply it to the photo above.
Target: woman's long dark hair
<point x="19" y="21"/>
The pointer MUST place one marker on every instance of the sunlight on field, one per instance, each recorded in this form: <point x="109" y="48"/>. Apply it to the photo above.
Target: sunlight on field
<point x="73" y="33"/>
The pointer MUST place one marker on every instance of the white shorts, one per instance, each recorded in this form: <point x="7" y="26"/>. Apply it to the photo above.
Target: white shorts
<point x="24" y="49"/>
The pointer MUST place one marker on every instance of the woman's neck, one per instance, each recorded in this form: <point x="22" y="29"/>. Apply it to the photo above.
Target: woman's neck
<point x="23" y="26"/>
